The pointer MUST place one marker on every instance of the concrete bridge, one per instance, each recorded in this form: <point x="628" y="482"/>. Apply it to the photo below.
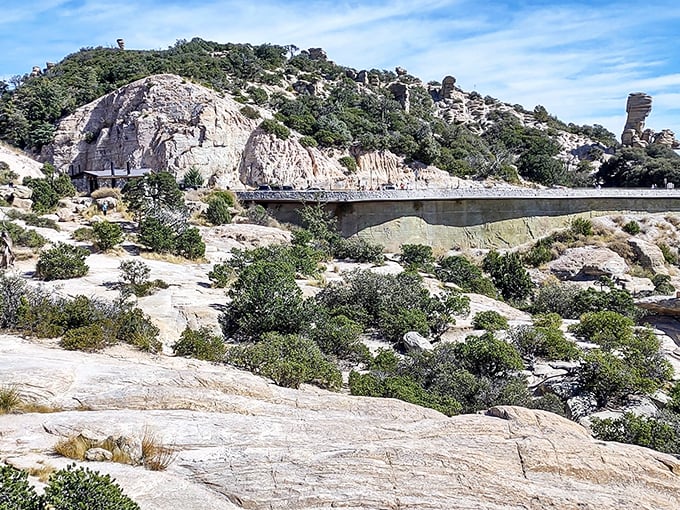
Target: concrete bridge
<point x="497" y="217"/>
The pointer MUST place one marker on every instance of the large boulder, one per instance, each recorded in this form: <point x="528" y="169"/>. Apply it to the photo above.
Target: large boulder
<point x="648" y="255"/>
<point x="588" y="262"/>
<point x="415" y="342"/>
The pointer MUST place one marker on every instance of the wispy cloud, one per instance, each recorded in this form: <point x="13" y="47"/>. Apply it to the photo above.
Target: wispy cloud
<point x="578" y="59"/>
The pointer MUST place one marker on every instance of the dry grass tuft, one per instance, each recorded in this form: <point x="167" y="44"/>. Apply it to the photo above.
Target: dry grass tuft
<point x="155" y="455"/>
<point x="74" y="447"/>
<point x="107" y="193"/>
<point x="10" y="399"/>
<point x="42" y="473"/>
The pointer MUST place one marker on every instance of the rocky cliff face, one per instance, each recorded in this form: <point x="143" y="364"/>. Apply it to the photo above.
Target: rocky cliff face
<point x="638" y="108"/>
<point x="164" y="122"/>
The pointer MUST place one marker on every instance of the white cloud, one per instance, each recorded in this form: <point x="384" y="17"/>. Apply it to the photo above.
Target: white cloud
<point x="579" y="61"/>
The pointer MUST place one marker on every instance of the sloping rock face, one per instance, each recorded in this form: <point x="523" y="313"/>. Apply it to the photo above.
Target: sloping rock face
<point x="588" y="262"/>
<point x="242" y="443"/>
<point x="19" y="162"/>
<point x="159" y="122"/>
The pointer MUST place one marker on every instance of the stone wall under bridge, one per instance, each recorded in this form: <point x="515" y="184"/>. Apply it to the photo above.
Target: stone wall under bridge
<point x="468" y="222"/>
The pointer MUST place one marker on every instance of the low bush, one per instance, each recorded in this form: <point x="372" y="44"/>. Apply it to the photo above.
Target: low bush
<point x="85" y="338"/>
<point x="275" y="128"/>
<point x="662" y="284"/>
<point x="222" y="275"/>
<point x="72" y="488"/>
<point x="218" y="211"/>
<point x="23" y="236"/>
<point x="62" y="262"/>
<point x="582" y="227"/>
<point x="250" y="112"/>
<point x="669" y="255"/>
<point x="460" y="271"/>
<point x="189" y="244"/>
<point x="107" y="235"/>
<point x="83" y="234"/>
<point x="200" y="344"/>
<point x="32" y="219"/>
<point x="632" y="227"/>
<point x="545" y="342"/>
<point x="509" y="276"/>
<point x="417" y="256"/>
<point x="359" y="250"/>
<point x="67" y="489"/>
<point x="227" y="196"/>
<point x="660" y="433"/>
<point x="490" y="320"/>
<point x="349" y="163"/>
<point x="308" y="141"/>
<point x="156" y="236"/>
<point x="288" y="360"/>
<point x="340" y="337"/>
<point x="192" y="178"/>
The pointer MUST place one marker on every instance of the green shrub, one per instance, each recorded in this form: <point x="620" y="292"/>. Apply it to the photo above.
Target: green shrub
<point x="340" y="337"/>
<point x="308" y="141"/>
<point x="650" y="432"/>
<point x="571" y="302"/>
<point x="394" y="324"/>
<point x="218" y="212"/>
<point x="416" y="256"/>
<point x="358" y="249"/>
<point x="107" y="235"/>
<point x="200" y="344"/>
<point x="582" y="227"/>
<point x="349" y="163"/>
<point x="23" y="236"/>
<point x="546" y="342"/>
<point x="289" y="360"/>
<point x="662" y="284"/>
<point x="83" y="234"/>
<point x="669" y="255"/>
<point x="76" y="488"/>
<point x="15" y="491"/>
<point x="227" y="196"/>
<point x="632" y="227"/>
<point x="7" y="176"/>
<point x="135" y="328"/>
<point x="490" y="320"/>
<point x="265" y="297"/>
<point x="539" y="254"/>
<point x="258" y="215"/>
<point x="189" y="244"/>
<point x="193" y="178"/>
<point x="275" y="128"/>
<point x="32" y="219"/>
<point x="250" y="112"/>
<point x="62" y="262"/>
<point x="44" y="197"/>
<point x="221" y="275"/>
<point x="509" y="276"/>
<point x="460" y="271"/>
<point x="134" y="273"/>
<point x="156" y="236"/>
<point x="85" y="338"/>
<point x="153" y="193"/>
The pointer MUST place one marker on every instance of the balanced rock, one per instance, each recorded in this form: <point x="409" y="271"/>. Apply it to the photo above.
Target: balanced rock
<point x="448" y="86"/>
<point x="638" y="107"/>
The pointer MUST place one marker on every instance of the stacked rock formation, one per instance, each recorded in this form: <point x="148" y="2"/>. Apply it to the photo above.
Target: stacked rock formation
<point x="634" y="134"/>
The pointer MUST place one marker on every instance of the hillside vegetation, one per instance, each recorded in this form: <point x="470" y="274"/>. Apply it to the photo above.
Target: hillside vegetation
<point x="333" y="107"/>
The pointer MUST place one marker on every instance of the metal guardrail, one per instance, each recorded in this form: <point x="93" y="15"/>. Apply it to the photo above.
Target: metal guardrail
<point x="453" y="194"/>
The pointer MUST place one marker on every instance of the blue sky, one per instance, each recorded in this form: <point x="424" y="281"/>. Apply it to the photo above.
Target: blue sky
<point x="578" y="59"/>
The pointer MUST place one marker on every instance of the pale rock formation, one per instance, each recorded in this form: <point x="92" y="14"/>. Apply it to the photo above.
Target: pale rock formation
<point x="267" y="158"/>
<point x="243" y="443"/>
<point x="666" y="137"/>
<point x="20" y="162"/>
<point x="649" y="255"/>
<point x="98" y="455"/>
<point x="588" y="262"/>
<point x="159" y="122"/>
<point x="415" y="342"/>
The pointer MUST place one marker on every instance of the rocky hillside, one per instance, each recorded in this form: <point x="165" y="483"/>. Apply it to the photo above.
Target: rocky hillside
<point x="324" y="124"/>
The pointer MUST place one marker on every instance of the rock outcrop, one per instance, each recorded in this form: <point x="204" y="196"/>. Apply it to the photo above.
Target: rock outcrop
<point x="242" y="443"/>
<point x="638" y="108"/>
<point x="19" y="162"/>
<point x="588" y="262"/>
